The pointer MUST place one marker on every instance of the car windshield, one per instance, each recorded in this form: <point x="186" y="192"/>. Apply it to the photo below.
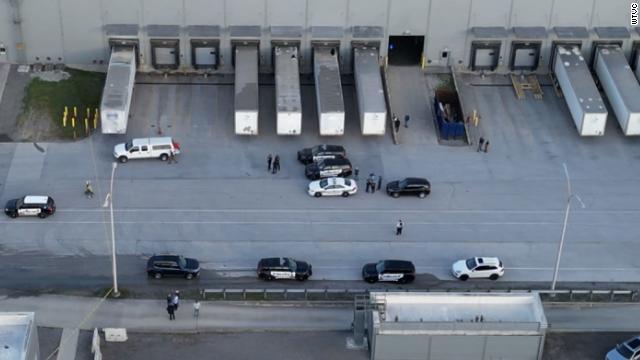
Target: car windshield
<point x="380" y="267"/>
<point x="128" y="145"/>
<point x="402" y="184"/>
<point x="624" y="351"/>
<point x="324" y="183"/>
<point x="182" y="261"/>
<point x="291" y="264"/>
<point x="471" y="263"/>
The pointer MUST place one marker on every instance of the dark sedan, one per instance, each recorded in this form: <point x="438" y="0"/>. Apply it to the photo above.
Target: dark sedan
<point x="320" y="152"/>
<point x="419" y="187"/>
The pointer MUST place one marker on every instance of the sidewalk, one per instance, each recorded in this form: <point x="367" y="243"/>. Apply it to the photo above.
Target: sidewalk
<point x="150" y="315"/>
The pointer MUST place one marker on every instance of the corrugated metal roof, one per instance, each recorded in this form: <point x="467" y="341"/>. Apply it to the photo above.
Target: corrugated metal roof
<point x="245" y="31"/>
<point x="286" y="32"/>
<point x="368" y="32"/>
<point x="612" y="32"/>
<point x="489" y="32"/>
<point x="121" y="29"/>
<point x="327" y="32"/>
<point x="327" y="76"/>
<point x="530" y="32"/>
<point x="246" y="84"/>
<point x="203" y="30"/>
<point x="287" y="79"/>
<point x="571" y="32"/>
<point x="163" y="30"/>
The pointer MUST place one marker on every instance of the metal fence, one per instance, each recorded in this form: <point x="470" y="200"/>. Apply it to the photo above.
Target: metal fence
<point x="336" y="295"/>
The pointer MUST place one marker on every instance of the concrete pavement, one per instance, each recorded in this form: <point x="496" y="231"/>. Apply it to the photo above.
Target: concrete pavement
<point x="150" y="315"/>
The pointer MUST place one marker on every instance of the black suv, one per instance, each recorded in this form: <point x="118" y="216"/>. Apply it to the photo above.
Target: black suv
<point x="319" y="152"/>
<point x="328" y="168"/>
<point x="283" y="268"/>
<point x="400" y="271"/>
<point x="410" y="186"/>
<point x="31" y="205"/>
<point x="172" y="265"/>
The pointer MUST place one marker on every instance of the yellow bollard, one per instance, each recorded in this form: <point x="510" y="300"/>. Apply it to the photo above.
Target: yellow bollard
<point x="86" y="126"/>
<point x="73" y="122"/>
<point x="88" y="112"/>
<point x="95" y="119"/>
<point x="66" y="110"/>
<point x="75" y="111"/>
<point x="64" y="120"/>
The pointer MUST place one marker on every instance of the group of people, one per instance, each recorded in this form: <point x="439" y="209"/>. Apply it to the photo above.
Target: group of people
<point x="173" y="301"/>
<point x="273" y="163"/>
<point x="372" y="184"/>
<point x="396" y="122"/>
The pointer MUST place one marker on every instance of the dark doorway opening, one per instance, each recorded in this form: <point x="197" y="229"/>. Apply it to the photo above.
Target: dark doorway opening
<point x="405" y="50"/>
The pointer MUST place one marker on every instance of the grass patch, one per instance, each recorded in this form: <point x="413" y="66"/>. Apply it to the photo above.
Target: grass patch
<point x="83" y="90"/>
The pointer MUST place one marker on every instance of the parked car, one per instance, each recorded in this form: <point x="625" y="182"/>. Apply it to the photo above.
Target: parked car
<point x="159" y="266"/>
<point x="30" y="205"/>
<point x="478" y="267"/>
<point x="283" y="268"/>
<point x="400" y="271"/>
<point x="146" y="148"/>
<point x="334" y="186"/>
<point x="628" y="350"/>
<point x="328" y="168"/>
<point x="419" y="187"/>
<point x="320" y="152"/>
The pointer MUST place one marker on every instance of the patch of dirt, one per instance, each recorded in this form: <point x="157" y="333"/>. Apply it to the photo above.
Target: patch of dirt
<point x="36" y="126"/>
<point x="51" y="76"/>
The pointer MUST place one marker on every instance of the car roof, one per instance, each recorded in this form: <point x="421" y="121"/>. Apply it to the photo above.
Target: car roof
<point x="335" y="181"/>
<point x="415" y="180"/>
<point x="336" y="161"/>
<point x="273" y="262"/>
<point x="488" y="261"/>
<point x="152" y="141"/>
<point x="35" y="199"/>
<point x="634" y="343"/>
<point x="326" y="147"/>
<point x="398" y="264"/>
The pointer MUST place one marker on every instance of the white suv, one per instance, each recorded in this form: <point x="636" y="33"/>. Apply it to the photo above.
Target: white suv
<point x="478" y="267"/>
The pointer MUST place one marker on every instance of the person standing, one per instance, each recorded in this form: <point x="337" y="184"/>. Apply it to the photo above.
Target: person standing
<point x="196" y="309"/>
<point x="406" y="120"/>
<point x="88" y="190"/>
<point x="276" y="164"/>
<point x="379" y="182"/>
<point x="480" y="144"/>
<point x="399" y="227"/>
<point x="176" y="299"/>
<point x="172" y="312"/>
<point x="172" y="157"/>
<point x="396" y="123"/>
<point x="269" y="159"/>
<point x="169" y="299"/>
<point x="372" y="181"/>
<point x="486" y="146"/>
<point x="368" y="187"/>
<point x="356" y="172"/>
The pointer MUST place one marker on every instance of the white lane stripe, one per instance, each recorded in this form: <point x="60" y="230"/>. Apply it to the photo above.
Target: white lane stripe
<point x="225" y="222"/>
<point x="343" y="210"/>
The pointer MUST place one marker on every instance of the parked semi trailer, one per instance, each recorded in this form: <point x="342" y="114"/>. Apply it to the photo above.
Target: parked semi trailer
<point x="580" y="92"/>
<point x="118" y="90"/>
<point x="371" y="102"/>
<point x="288" y="105"/>
<point x="328" y="91"/>
<point x="246" y="90"/>
<point x="621" y="87"/>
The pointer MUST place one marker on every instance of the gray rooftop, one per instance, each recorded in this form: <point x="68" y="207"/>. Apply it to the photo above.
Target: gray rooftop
<point x="116" y="89"/>
<point x="15" y="329"/>
<point x="121" y="29"/>
<point x="246" y="84"/>
<point x="368" y="79"/>
<point x="530" y="32"/>
<point x="287" y="79"/>
<point x="489" y="32"/>
<point x="581" y="79"/>
<point x="328" y="85"/>
<point x="163" y="30"/>
<point x="612" y="32"/>
<point x="244" y="31"/>
<point x="203" y="30"/>
<point x="326" y="32"/>
<point x="616" y="63"/>
<point x="286" y="32"/>
<point x="368" y="32"/>
<point x="571" y="32"/>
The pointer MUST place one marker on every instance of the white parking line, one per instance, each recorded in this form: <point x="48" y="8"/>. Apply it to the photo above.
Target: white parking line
<point x="343" y="210"/>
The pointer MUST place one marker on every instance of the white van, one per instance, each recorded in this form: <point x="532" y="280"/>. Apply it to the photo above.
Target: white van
<point x="144" y="148"/>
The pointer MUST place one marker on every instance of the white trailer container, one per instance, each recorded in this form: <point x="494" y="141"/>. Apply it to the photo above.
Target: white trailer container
<point x="371" y="101"/>
<point x="580" y="92"/>
<point x="246" y="90"/>
<point x="288" y="105"/>
<point x="328" y="91"/>
<point x="118" y="90"/>
<point x="621" y="87"/>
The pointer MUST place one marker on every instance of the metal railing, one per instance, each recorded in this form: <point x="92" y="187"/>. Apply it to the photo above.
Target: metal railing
<point x="337" y="295"/>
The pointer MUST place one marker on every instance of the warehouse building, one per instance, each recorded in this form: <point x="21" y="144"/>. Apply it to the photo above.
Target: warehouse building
<point x="430" y="326"/>
<point x="200" y="35"/>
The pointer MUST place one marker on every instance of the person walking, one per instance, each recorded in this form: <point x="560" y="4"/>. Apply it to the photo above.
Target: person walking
<point x="88" y="190"/>
<point x="356" y="172"/>
<point x="269" y="159"/>
<point x="379" y="182"/>
<point x="396" y="123"/>
<point x="406" y="120"/>
<point x="276" y="164"/>
<point x="486" y="146"/>
<point x="196" y="309"/>
<point x="176" y="299"/>
<point x="172" y="312"/>
<point x="172" y="157"/>
<point x="399" y="227"/>
<point x="372" y="182"/>
<point x="480" y="144"/>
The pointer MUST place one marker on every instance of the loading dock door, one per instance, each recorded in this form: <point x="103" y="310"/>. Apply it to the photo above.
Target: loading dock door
<point x="165" y="54"/>
<point x="485" y="58"/>
<point x="524" y="58"/>
<point x="205" y="57"/>
<point x="485" y="55"/>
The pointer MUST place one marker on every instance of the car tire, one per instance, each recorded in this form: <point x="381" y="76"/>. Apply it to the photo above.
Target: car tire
<point x="494" y="277"/>
<point x="422" y="195"/>
<point x="464" y="277"/>
<point x="189" y="276"/>
<point x="345" y="194"/>
<point x="123" y="159"/>
<point x="301" y="278"/>
<point x="402" y="281"/>
<point x="370" y="280"/>
<point x="317" y="194"/>
<point x="157" y="276"/>
<point x="13" y="215"/>
<point x="164" y="157"/>
<point x="395" y="195"/>
<point x="42" y="215"/>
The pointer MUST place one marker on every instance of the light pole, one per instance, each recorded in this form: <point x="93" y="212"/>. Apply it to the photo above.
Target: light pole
<point x="570" y="196"/>
<point x="108" y="201"/>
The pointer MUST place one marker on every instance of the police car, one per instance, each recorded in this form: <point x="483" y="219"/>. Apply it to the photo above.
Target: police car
<point x="333" y="187"/>
<point x="30" y="205"/>
<point x="400" y="271"/>
<point x="320" y="152"/>
<point x="328" y="168"/>
<point x="283" y="268"/>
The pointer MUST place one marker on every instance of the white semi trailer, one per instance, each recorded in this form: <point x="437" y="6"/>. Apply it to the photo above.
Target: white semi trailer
<point x="246" y="90"/>
<point x="118" y="90"/>
<point x="328" y="91"/>
<point x="371" y="101"/>
<point x="288" y="104"/>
